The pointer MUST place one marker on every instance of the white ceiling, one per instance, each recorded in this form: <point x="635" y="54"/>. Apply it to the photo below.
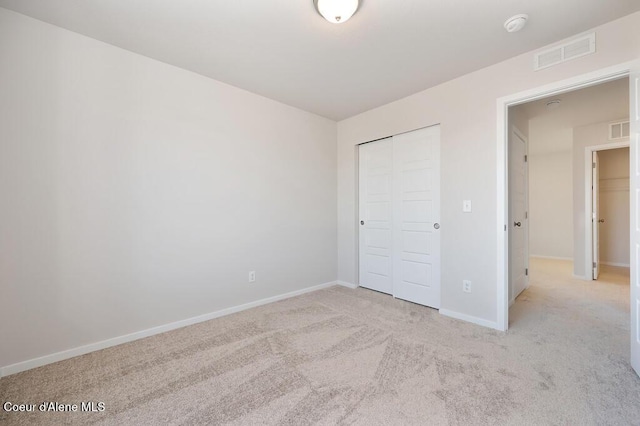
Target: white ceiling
<point x="552" y="130"/>
<point x="284" y="50"/>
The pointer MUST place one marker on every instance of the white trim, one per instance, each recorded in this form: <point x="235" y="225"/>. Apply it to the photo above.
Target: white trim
<point x="92" y="347"/>
<point x="551" y="257"/>
<point x="356" y="218"/>
<point x="622" y="265"/>
<point x="503" y="104"/>
<point x="588" y="199"/>
<point x="581" y="277"/>
<point x="468" y="318"/>
<point x="346" y="284"/>
<point x="502" y="255"/>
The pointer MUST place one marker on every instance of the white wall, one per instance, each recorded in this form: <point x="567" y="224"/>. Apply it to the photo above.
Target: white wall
<point x="583" y="136"/>
<point x="466" y="109"/>
<point x="614" y="206"/>
<point x="135" y="194"/>
<point x="551" y="204"/>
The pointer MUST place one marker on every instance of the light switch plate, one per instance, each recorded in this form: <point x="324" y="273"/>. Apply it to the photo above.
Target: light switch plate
<point x="466" y="206"/>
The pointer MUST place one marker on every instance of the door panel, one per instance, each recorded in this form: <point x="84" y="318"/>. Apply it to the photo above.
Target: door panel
<point x="518" y="222"/>
<point x="416" y="215"/>
<point x="595" y="213"/>
<point x="375" y="175"/>
<point x="634" y="84"/>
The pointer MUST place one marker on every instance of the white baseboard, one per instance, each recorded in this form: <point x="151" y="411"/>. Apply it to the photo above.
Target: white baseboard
<point x="346" y="284"/>
<point x="551" y="257"/>
<point x="70" y="353"/>
<point x="469" y="318"/>
<point x="581" y="277"/>
<point x="623" y="265"/>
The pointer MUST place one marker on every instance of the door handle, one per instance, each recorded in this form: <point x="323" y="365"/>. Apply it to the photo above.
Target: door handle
<point x="517" y="224"/>
<point x="601" y="221"/>
<point x="436" y="226"/>
<point x="362" y="222"/>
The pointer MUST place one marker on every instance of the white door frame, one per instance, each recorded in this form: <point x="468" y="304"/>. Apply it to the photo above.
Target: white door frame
<point x="502" y="250"/>
<point x="588" y="202"/>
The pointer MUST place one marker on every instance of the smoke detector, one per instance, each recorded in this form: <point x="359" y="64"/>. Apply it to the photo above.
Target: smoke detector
<point x="516" y="23"/>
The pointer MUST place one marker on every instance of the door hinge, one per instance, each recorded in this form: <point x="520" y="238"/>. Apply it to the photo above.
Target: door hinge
<point x="526" y="215"/>
<point x="594" y="264"/>
<point x="525" y="158"/>
<point x="526" y="271"/>
<point x="593" y="165"/>
<point x="505" y="227"/>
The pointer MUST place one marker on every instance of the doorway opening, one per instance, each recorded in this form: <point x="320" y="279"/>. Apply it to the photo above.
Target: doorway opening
<point x="630" y="70"/>
<point x="607" y="200"/>
<point x="553" y="198"/>
<point x="564" y="164"/>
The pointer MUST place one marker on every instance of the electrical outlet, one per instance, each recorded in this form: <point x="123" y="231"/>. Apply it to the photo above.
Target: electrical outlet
<point x="252" y="276"/>
<point x="466" y="206"/>
<point x="466" y="286"/>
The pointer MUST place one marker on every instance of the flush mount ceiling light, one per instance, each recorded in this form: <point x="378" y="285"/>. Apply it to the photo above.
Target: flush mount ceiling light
<point x="336" y="11"/>
<point x="553" y="103"/>
<point x="516" y="23"/>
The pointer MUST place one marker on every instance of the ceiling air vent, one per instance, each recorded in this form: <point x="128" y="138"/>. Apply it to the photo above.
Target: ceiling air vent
<point x="619" y="130"/>
<point x="584" y="45"/>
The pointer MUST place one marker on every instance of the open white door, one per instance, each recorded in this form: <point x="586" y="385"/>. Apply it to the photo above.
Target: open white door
<point x="518" y="217"/>
<point x="634" y="83"/>
<point x="595" y="213"/>
<point x="375" y="177"/>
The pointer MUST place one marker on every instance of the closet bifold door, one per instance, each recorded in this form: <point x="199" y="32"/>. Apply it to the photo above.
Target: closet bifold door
<point x="375" y="169"/>
<point x="416" y="216"/>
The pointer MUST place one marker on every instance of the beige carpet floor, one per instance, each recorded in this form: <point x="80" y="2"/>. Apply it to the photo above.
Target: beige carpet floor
<point x="341" y="356"/>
